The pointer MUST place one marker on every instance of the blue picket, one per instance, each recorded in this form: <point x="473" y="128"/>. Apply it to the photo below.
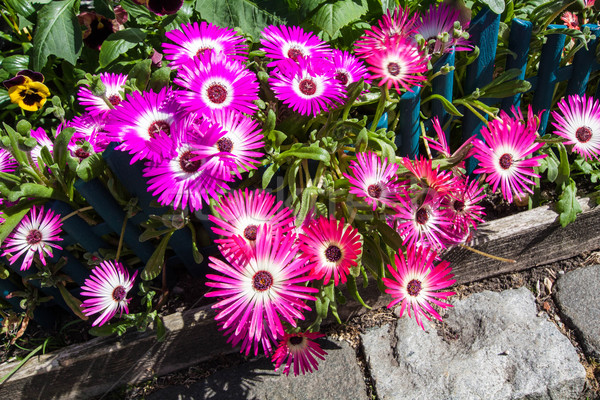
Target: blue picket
<point x="547" y="75"/>
<point x="443" y="85"/>
<point x="583" y="64"/>
<point x="484" y="33"/>
<point x="518" y="43"/>
<point x="408" y="133"/>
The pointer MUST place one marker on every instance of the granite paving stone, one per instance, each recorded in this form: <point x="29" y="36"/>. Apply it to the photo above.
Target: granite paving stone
<point x="491" y="346"/>
<point x="578" y="298"/>
<point x="338" y="378"/>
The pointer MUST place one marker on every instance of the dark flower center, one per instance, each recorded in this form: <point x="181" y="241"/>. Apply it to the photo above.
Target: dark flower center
<point x="422" y="216"/>
<point x="30" y="97"/>
<point x="187" y="164"/>
<point x="225" y="145"/>
<point x="294" y="53"/>
<point x="333" y="253"/>
<point x="505" y="161"/>
<point x="374" y="191"/>
<point x="250" y="232"/>
<point x="217" y="93"/>
<point x="34" y="237"/>
<point x="262" y="281"/>
<point x="307" y="86"/>
<point x="583" y="134"/>
<point x="202" y="50"/>
<point x="115" y="99"/>
<point x="393" y="68"/>
<point x="459" y="205"/>
<point x="342" y="77"/>
<point x="119" y="293"/>
<point x="413" y="287"/>
<point x="157" y="127"/>
<point x="81" y="153"/>
<point x="296" y="340"/>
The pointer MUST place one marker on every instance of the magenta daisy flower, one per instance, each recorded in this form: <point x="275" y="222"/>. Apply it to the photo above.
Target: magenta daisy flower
<point x="240" y="140"/>
<point x="8" y="163"/>
<point x="399" y="64"/>
<point x="193" y="40"/>
<point x="42" y="138"/>
<point x="112" y="96"/>
<point x="504" y="156"/>
<point x="579" y="122"/>
<point x="393" y="25"/>
<point x="423" y="223"/>
<point x="331" y="248"/>
<point x="307" y="87"/>
<point x="240" y="213"/>
<point x="90" y="127"/>
<point x="439" y="20"/>
<point x="461" y="206"/>
<point x="215" y="83"/>
<point x="300" y="350"/>
<point x="107" y="289"/>
<point x="415" y="281"/>
<point x="347" y="69"/>
<point x="373" y="179"/>
<point x="262" y="289"/>
<point x="291" y="43"/>
<point x="247" y="343"/>
<point x="427" y="177"/>
<point x="185" y="179"/>
<point x="145" y="123"/>
<point x="35" y="234"/>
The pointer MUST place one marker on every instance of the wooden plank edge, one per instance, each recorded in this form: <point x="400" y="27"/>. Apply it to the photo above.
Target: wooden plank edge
<point x="80" y="371"/>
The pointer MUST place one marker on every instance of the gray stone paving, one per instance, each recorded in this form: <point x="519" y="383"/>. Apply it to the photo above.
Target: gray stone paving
<point x="338" y="377"/>
<point x="495" y="347"/>
<point x="578" y="299"/>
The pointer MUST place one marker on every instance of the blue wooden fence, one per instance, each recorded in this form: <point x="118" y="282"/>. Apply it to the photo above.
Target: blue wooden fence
<point x="484" y="34"/>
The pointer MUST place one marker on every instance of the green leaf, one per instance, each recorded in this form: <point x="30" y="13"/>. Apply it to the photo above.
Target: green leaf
<point x="308" y="200"/>
<point x="141" y="74"/>
<point x="198" y="258"/>
<point x="244" y="14"/>
<point x="155" y="263"/>
<point x="73" y="302"/>
<point x="564" y="168"/>
<point x="552" y="165"/>
<point x="496" y="6"/>
<point x="61" y="149"/>
<point x="311" y="153"/>
<point x="57" y="33"/>
<point x="109" y="329"/>
<point x="447" y="104"/>
<point x="91" y="167"/>
<point x="21" y="7"/>
<point x="160" y="79"/>
<point x="268" y="174"/>
<point x="118" y="43"/>
<point x="353" y="290"/>
<point x="101" y="7"/>
<point x="16" y="63"/>
<point x="161" y="331"/>
<point x="12" y="216"/>
<point x="332" y="17"/>
<point x="568" y="207"/>
<point x="389" y="235"/>
<point x="35" y="190"/>
<point x="13" y="136"/>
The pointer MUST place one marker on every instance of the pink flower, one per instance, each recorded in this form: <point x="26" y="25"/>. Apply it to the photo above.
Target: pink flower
<point x="291" y="43"/>
<point x="300" y="350"/>
<point x="415" y="281"/>
<point x="100" y="104"/>
<point x="373" y="179"/>
<point x="579" y="122"/>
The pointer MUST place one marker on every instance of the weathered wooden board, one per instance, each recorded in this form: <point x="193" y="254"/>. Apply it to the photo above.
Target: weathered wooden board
<point x="531" y="238"/>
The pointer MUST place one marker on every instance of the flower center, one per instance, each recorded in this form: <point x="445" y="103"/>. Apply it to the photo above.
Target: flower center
<point x="307" y="86"/>
<point x="296" y="340"/>
<point x="393" y="68"/>
<point x="81" y="153"/>
<point x="202" y="50"/>
<point x="583" y="134"/>
<point x="187" y="164"/>
<point x="34" y="237"/>
<point x="262" y="281"/>
<point x="30" y="97"/>
<point x="119" y="293"/>
<point x="157" y="127"/>
<point x="374" y="191"/>
<point x="225" y="145"/>
<point x="250" y="232"/>
<point x="414" y="287"/>
<point x="115" y="100"/>
<point x="342" y="77"/>
<point x="333" y="253"/>
<point x="505" y="161"/>
<point x="217" y="93"/>
<point x="294" y="53"/>
<point x="459" y="205"/>
<point x="422" y="216"/>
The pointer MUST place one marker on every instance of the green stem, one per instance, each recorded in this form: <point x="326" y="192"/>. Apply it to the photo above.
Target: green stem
<point x="121" y="238"/>
<point x="380" y="108"/>
<point x="66" y="217"/>
<point x="470" y="107"/>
